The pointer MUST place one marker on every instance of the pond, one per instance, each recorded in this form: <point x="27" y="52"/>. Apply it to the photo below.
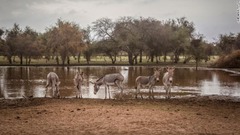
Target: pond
<point x="17" y="82"/>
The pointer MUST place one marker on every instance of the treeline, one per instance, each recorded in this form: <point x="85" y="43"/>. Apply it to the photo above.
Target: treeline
<point x="133" y="37"/>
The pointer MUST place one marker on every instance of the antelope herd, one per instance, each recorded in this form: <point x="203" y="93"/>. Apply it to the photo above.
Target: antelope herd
<point x="115" y="79"/>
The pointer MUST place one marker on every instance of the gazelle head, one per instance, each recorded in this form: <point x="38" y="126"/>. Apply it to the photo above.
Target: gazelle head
<point x="170" y="71"/>
<point x="96" y="86"/>
<point x="157" y="73"/>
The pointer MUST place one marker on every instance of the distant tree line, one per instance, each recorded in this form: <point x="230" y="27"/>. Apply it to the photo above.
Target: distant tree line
<point x="133" y="37"/>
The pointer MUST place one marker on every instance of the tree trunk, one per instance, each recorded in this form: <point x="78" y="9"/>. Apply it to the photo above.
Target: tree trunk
<point x="176" y="58"/>
<point x="196" y="64"/>
<point x="57" y="60"/>
<point x="21" y="59"/>
<point x="9" y="59"/>
<point x="130" y="58"/>
<point x="152" y="57"/>
<point x="29" y="60"/>
<point x="68" y="60"/>
<point x="165" y="57"/>
<point x="140" y="60"/>
<point x="26" y="60"/>
<point x="135" y="60"/>
<point x="113" y="59"/>
<point x="156" y="59"/>
<point x="79" y="56"/>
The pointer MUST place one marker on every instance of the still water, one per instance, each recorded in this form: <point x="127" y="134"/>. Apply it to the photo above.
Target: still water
<point x="16" y="82"/>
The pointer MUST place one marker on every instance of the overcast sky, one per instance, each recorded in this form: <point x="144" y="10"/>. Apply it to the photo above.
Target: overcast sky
<point x="211" y="17"/>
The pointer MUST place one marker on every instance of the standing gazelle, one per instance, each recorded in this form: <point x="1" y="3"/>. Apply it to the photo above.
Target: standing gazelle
<point x="108" y="80"/>
<point x="147" y="81"/>
<point x="53" y="82"/>
<point x="78" y="82"/>
<point x="168" y="80"/>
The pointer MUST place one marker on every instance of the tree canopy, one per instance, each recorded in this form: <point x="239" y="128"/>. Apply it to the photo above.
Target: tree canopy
<point x="133" y="37"/>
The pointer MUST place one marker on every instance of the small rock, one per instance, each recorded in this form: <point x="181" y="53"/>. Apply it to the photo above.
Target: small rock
<point x="177" y="110"/>
<point x="198" y="114"/>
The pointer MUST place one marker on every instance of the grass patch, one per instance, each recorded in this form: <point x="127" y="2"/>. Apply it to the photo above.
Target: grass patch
<point x="102" y="60"/>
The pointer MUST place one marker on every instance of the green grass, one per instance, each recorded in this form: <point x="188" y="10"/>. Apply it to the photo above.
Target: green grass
<point x="104" y="60"/>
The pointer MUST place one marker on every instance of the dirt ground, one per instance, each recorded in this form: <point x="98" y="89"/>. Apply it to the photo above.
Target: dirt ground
<point x="198" y="115"/>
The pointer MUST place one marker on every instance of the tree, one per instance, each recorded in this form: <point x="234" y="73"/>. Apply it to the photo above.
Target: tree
<point x="65" y="39"/>
<point x="129" y="38"/>
<point x="196" y="50"/>
<point x="88" y="41"/>
<point x="104" y="29"/>
<point x="89" y="51"/>
<point x="183" y="33"/>
<point x="29" y="46"/>
<point x="226" y="43"/>
<point x="2" y="43"/>
<point x="157" y="39"/>
<point x="107" y="42"/>
<point x="209" y="50"/>
<point x="12" y="42"/>
<point x="237" y="43"/>
<point x="108" y="48"/>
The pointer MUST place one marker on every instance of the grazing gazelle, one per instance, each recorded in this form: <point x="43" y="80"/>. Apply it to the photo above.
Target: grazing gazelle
<point x="53" y="82"/>
<point x="147" y="81"/>
<point x="78" y="81"/>
<point x="107" y="80"/>
<point x="168" y="80"/>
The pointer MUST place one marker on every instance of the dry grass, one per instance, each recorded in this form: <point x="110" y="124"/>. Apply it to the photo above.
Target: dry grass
<point x="229" y="61"/>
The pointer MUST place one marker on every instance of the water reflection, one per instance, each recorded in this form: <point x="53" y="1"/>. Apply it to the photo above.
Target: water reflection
<point x="16" y="82"/>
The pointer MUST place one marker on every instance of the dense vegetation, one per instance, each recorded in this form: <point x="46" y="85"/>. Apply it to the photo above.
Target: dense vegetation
<point x="127" y="36"/>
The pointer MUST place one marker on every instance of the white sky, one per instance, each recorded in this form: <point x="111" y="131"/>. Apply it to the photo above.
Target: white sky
<point x="211" y="17"/>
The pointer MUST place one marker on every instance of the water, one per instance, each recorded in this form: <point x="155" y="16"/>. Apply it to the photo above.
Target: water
<point x="16" y="82"/>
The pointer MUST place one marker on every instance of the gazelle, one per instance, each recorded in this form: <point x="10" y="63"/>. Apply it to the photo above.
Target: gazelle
<point x="168" y="80"/>
<point x="147" y="81"/>
<point x="78" y="82"/>
<point x="53" y="82"/>
<point x="109" y="80"/>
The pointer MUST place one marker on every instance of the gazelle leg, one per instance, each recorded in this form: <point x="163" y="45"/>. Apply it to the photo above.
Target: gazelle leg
<point x="80" y="91"/>
<point x="170" y="88"/>
<point x="46" y="89"/>
<point x="166" y="88"/>
<point x="137" y="91"/>
<point x="109" y="96"/>
<point x="152" y="93"/>
<point x="58" y="94"/>
<point x="105" y="91"/>
<point x="46" y="92"/>
<point x="119" y="85"/>
<point x="168" y="92"/>
<point x="149" y="96"/>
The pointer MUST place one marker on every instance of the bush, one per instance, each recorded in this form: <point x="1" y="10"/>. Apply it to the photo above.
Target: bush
<point x="229" y="61"/>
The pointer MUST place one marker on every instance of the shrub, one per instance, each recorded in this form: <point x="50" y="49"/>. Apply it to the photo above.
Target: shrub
<point x="229" y="61"/>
